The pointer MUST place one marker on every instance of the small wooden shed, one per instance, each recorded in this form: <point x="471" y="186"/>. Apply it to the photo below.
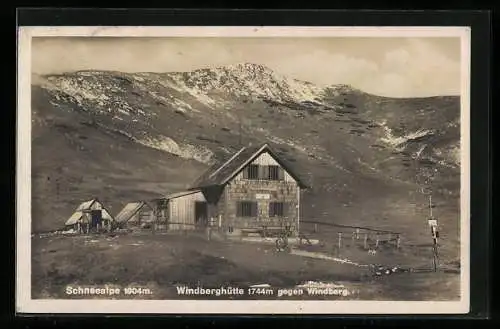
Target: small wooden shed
<point x="135" y="214"/>
<point x="186" y="210"/>
<point x="90" y="216"/>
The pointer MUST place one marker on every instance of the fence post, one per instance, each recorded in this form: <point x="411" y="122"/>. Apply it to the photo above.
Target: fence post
<point x="357" y="234"/>
<point x="398" y="242"/>
<point x="315" y="228"/>
<point x="366" y="240"/>
<point x="209" y="233"/>
<point x="377" y="241"/>
<point x="340" y="240"/>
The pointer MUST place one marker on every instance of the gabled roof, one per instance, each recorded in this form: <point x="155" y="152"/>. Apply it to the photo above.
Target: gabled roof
<point x="130" y="210"/>
<point x="77" y="215"/>
<point x="86" y="205"/>
<point x="222" y="173"/>
<point x="74" y="218"/>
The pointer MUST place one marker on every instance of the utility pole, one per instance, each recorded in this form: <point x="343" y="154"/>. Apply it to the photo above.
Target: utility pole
<point x="430" y="205"/>
<point x="435" y="235"/>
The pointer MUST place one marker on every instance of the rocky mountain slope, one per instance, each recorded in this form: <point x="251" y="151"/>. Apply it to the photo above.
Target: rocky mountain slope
<point x="123" y="136"/>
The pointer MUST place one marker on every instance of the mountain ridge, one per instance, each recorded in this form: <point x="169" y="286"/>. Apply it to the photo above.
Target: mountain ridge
<point x="241" y="67"/>
<point x="131" y="136"/>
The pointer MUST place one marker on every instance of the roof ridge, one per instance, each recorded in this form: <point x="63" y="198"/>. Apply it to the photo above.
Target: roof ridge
<point x="222" y="174"/>
<point x="227" y="162"/>
<point x="250" y="158"/>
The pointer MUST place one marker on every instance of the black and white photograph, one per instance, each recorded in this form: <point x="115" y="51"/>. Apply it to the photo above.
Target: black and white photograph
<point x="243" y="170"/>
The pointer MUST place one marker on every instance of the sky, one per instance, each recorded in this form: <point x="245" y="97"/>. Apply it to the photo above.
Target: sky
<point x="395" y="67"/>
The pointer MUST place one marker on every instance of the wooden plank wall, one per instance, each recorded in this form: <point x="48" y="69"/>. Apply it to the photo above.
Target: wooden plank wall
<point x="182" y="211"/>
<point x="265" y="159"/>
<point x="87" y="218"/>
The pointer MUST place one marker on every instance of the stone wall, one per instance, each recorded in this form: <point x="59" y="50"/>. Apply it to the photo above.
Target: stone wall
<point x="262" y="192"/>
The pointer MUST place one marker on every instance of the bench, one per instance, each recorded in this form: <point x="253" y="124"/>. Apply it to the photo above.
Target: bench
<point x="264" y="231"/>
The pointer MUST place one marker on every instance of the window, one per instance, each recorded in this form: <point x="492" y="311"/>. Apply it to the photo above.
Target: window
<point x="251" y="172"/>
<point x="256" y="172"/>
<point x="274" y="173"/>
<point x="276" y="209"/>
<point x="246" y="209"/>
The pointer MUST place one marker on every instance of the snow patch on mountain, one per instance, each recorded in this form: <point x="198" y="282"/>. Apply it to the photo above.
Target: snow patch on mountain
<point x="81" y="89"/>
<point x="242" y="80"/>
<point x="456" y="154"/>
<point x="94" y="91"/>
<point x="398" y="141"/>
<point x="448" y="156"/>
<point x="177" y="83"/>
<point x="207" y="86"/>
<point x="186" y="151"/>
<point x="183" y="106"/>
<point x="149" y="83"/>
<point x="304" y="92"/>
<point x="452" y="154"/>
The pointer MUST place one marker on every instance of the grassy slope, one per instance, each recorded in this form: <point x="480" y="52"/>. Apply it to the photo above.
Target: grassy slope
<point x="355" y="179"/>
<point x="75" y="161"/>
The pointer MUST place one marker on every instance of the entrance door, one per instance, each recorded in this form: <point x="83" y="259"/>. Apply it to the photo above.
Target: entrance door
<point x="96" y="218"/>
<point x="200" y="214"/>
<point x="263" y="211"/>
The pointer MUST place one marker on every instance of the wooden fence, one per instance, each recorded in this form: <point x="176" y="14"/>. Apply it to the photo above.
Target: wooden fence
<point x="369" y="238"/>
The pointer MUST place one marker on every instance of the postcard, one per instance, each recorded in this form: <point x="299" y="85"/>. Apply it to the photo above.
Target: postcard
<point x="243" y="170"/>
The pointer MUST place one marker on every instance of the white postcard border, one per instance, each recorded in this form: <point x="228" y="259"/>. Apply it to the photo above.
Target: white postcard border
<point x="24" y="303"/>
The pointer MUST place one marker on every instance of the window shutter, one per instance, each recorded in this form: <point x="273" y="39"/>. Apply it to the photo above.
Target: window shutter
<point x="266" y="172"/>
<point x="286" y="210"/>
<point x="281" y="209"/>
<point x="261" y="171"/>
<point x="281" y="173"/>
<point x="254" y="209"/>
<point x="245" y="173"/>
<point x="252" y="172"/>
<point x="277" y="209"/>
